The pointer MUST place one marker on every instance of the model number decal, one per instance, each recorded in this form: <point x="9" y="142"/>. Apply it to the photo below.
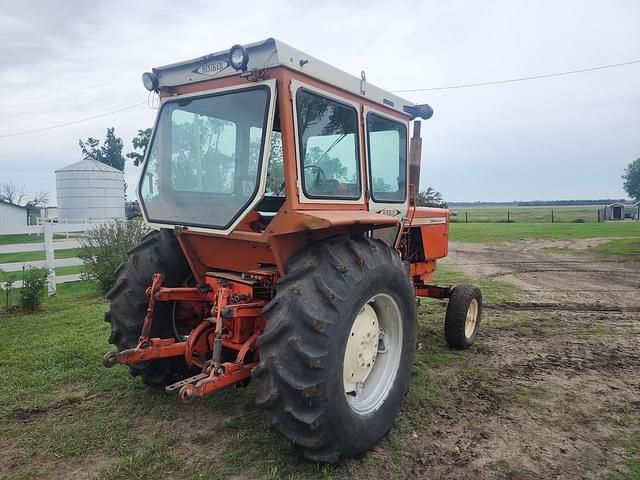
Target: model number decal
<point x="429" y="221"/>
<point x="392" y="212"/>
<point x="212" y="68"/>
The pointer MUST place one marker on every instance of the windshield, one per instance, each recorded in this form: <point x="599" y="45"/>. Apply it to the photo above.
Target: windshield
<point x="204" y="160"/>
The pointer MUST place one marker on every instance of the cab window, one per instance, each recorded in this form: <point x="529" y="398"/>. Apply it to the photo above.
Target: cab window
<point x="275" y="168"/>
<point x="387" y="146"/>
<point x="328" y="142"/>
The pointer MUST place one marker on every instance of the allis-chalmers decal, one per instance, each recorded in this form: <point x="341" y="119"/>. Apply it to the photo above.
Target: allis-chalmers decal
<point x="392" y="212"/>
<point x="211" y="69"/>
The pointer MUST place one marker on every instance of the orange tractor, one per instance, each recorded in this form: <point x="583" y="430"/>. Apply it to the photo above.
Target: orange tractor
<point x="288" y="247"/>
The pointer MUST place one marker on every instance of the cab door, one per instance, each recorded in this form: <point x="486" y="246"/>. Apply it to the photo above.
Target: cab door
<point x="387" y="151"/>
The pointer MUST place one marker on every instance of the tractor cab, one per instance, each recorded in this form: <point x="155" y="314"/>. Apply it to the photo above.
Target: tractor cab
<point x="245" y="134"/>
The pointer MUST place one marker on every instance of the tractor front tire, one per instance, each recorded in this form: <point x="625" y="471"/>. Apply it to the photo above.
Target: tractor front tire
<point x="462" y="319"/>
<point x="329" y="383"/>
<point x="158" y="252"/>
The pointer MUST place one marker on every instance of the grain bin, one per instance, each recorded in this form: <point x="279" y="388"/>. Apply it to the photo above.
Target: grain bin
<point x="89" y="191"/>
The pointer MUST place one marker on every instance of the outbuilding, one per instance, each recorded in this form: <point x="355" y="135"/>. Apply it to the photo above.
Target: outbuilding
<point x="12" y="215"/>
<point x="636" y="211"/>
<point x="615" y="211"/>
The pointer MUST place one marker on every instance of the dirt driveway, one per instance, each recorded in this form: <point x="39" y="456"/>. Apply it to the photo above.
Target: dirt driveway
<point x="557" y="390"/>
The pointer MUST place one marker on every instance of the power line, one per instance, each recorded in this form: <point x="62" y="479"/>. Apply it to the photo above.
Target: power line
<point x="74" y="122"/>
<point x="448" y="87"/>
<point x="521" y="79"/>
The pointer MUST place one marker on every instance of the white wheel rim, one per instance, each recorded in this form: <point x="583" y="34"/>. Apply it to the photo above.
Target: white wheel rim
<point x="372" y="354"/>
<point x="472" y="319"/>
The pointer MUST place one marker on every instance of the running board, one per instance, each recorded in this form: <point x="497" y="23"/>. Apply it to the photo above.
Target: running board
<point x="178" y="385"/>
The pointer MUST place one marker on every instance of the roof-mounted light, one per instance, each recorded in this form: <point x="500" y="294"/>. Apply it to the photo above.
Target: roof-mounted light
<point x="238" y="57"/>
<point x="150" y="81"/>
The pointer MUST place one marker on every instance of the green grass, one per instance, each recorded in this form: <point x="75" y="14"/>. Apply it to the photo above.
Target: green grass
<point x="526" y="397"/>
<point x="561" y="214"/>
<point x="25" y="238"/>
<point x="631" y="445"/>
<point x="622" y="246"/>
<point x="492" y="290"/>
<point x="58" y="404"/>
<point x="13" y="276"/>
<point x="33" y="256"/>
<point x="504" y="467"/>
<point x="504" y="232"/>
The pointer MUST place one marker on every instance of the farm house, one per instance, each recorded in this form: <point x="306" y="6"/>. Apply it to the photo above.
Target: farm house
<point x="615" y="211"/>
<point x="89" y="190"/>
<point x="12" y="215"/>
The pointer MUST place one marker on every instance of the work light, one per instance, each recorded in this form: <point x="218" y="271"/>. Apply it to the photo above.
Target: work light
<point x="150" y="81"/>
<point x="238" y="57"/>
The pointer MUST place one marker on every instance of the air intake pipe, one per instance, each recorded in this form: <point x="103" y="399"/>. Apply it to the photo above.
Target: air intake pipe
<point x="415" y="154"/>
<point x="417" y="112"/>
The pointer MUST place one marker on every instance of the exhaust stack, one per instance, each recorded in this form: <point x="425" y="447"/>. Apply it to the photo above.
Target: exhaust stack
<point x="417" y="112"/>
<point x="415" y="154"/>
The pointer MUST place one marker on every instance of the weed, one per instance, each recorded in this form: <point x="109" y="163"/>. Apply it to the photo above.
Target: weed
<point x="34" y="281"/>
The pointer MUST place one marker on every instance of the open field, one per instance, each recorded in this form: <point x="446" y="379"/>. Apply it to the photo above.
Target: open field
<point x="550" y="390"/>
<point x="506" y="232"/>
<point x="498" y="214"/>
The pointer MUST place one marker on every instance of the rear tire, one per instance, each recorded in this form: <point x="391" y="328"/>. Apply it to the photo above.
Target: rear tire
<point x="303" y="350"/>
<point x="462" y="320"/>
<point x="158" y="252"/>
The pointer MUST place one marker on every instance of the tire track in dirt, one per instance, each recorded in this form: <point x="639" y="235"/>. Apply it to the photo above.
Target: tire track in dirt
<point x="555" y="307"/>
<point x="562" y="371"/>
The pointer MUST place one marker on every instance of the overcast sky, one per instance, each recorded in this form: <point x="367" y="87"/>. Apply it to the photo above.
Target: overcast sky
<point x="558" y="138"/>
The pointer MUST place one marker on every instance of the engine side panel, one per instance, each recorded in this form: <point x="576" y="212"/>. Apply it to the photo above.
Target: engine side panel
<point x="434" y="229"/>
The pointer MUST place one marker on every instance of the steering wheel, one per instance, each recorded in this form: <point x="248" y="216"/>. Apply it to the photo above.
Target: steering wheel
<point x="320" y="175"/>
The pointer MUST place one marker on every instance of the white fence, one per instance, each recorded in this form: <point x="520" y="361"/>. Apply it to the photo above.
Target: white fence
<point x="49" y="245"/>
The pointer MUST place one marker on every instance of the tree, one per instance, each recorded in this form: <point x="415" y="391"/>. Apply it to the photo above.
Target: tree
<point x="275" y="170"/>
<point x="12" y="193"/>
<point x="201" y="161"/>
<point x="632" y="179"/>
<point x="132" y="210"/>
<point x="110" y="153"/>
<point x="140" y="143"/>
<point x="39" y="201"/>
<point x="431" y="198"/>
<point x="112" y="149"/>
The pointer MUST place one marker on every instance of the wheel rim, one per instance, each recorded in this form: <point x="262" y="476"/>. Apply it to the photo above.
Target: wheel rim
<point x="472" y="319"/>
<point x="372" y="354"/>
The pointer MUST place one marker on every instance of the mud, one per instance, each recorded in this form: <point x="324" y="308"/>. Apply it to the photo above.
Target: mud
<point x="561" y="389"/>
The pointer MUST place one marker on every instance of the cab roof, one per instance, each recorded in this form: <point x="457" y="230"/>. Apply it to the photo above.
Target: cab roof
<point x="272" y="53"/>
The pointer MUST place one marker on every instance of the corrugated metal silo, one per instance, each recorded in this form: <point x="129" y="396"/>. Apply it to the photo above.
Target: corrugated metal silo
<point x="89" y="191"/>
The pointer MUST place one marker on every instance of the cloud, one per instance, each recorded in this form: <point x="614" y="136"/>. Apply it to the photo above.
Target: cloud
<point x="551" y="138"/>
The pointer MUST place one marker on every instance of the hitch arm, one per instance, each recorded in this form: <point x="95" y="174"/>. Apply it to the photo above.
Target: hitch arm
<point x="152" y="291"/>
<point x="147" y="348"/>
<point x="154" y="349"/>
